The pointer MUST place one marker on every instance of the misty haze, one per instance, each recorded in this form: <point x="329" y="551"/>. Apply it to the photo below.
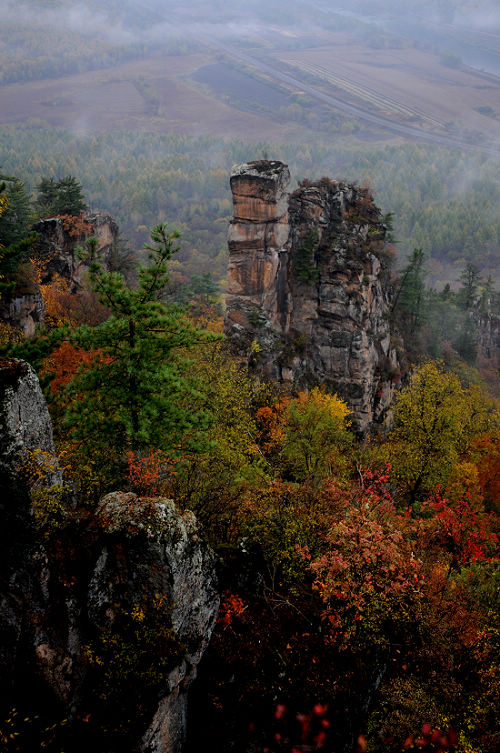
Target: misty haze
<point x="249" y="376"/>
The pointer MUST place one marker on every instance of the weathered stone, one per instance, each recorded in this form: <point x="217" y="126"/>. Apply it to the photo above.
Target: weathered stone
<point x="24" y="307"/>
<point x="24" y="427"/>
<point x="339" y="298"/>
<point x="24" y="312"/>
<point x="56" y="243"/>
<point x="55" y="604"/>
<point x="24" y="419"/>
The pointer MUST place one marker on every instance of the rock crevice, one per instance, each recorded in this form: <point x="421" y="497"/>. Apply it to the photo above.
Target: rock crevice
<point x="309" y="292"/>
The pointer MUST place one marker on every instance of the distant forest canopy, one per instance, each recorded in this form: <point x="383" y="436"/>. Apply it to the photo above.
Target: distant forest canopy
<point x="444" y="202"/>
<point x="42" y="39"/>
<point x="49" y="39"/>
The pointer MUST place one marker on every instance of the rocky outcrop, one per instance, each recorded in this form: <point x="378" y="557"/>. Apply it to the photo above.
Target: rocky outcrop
<point x="23" y="308"/>
<point x="58" y="237"/>
<point x="104" y="614"/>
<point x="25" y="427"/>
<point x="25" y="423"/>
<point x="488" y="335"/>
<point x="24" y="312"/>
<point x="153" y="554"/>
<point x="309" y="291"/>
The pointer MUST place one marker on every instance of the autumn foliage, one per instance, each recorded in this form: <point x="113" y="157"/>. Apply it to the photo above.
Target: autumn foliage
<point x="359" y="578"/>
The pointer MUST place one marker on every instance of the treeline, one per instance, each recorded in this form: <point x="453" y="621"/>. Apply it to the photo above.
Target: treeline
<point x="444" y="202"/>
<point x="443" y="323"/>
<point x="55" y="52"/>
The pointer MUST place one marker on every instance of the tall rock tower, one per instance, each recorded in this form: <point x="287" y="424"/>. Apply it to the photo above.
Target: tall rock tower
<point x="309" y="291"/>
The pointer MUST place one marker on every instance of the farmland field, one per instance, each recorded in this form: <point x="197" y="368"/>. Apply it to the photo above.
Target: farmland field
<point x="155" y="95"/>
<point x="407" y="84"/>
<point x="258" y="93"/>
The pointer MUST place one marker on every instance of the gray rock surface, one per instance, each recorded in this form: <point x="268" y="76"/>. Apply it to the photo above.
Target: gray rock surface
<point x="24" y="419"/>
<point x="161" y="555"/>
<point x="24" y="312"/>
<point x="56" y="244"/>
<point x="62" y="590"/>
<point x="309" y="291"/>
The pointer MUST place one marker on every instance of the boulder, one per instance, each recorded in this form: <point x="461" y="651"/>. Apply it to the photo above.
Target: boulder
<point x="132" y="581"/>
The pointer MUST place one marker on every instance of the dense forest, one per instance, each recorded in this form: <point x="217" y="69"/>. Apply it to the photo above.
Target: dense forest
<point x="444" y="202"/>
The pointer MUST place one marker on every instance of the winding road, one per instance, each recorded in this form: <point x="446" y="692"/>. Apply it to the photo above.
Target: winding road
<point x="275" y="73"/>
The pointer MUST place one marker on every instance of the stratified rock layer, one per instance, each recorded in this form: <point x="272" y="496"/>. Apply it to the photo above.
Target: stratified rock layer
<point x="309" y="292"/>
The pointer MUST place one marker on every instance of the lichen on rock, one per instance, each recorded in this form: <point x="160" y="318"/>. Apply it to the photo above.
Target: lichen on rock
<point x="110" y="617"/>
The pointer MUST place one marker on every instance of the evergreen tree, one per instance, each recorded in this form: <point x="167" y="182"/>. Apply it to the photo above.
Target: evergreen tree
<point x="3" y="198"/>
<point x="46" y="199"/>
<point x="63" y="197"/>
<point x="410" y="298"/>
<point x="137" y="392"/>
<point x="466" y="342"/>
<point x="11" y="257"/>
<point x="468" y="293"/>
<point x="15" y="221"/>
<point x="15" y="241"/>
<point x="70" y="196"/>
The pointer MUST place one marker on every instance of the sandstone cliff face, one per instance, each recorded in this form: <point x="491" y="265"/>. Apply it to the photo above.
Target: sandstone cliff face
<point x="57" y="240"/>
<point x="24" y="309"/>
<point x="131" y="582"/>
<point x="309" y="292"/>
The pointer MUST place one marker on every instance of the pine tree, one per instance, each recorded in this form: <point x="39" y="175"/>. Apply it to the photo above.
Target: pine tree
<point x="15" y="220"/>
<point x="70" y="196"/>
<point x="137" y="393"/>
<point x="410" y="299"/>
<point x="63" y="197"/>
<point x="15" y="240"/>
<point x="468" y="293"/>
<point x="46" y="199"/>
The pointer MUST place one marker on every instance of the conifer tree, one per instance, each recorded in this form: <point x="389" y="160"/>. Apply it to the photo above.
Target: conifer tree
<point x="15" y="240"/>
<point x="70" y="196"/>
<point x="62" y="197"/>
<point x="409" y="303"/>
<point x="468" y="293"/>
<point x="15" y="220"/>
<point x="137" y="393"/>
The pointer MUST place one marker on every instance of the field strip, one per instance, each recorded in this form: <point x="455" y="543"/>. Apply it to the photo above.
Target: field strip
<point x="368" y="95"/>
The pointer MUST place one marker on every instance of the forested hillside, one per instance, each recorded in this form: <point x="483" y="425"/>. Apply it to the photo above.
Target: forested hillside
<point x="358" y="575"/>
<point x="444" y="202"/>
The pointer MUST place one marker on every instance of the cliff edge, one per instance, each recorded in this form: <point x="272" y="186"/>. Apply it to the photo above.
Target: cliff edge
<point x="309" y="290"/>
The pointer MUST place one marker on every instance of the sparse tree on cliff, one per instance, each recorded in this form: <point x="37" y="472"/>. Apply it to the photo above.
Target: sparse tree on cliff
<point x="62" y="197"/>
<point x="410" y="298"/>
<point x="468" y="293"/>
<point x="15" y="241"/>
